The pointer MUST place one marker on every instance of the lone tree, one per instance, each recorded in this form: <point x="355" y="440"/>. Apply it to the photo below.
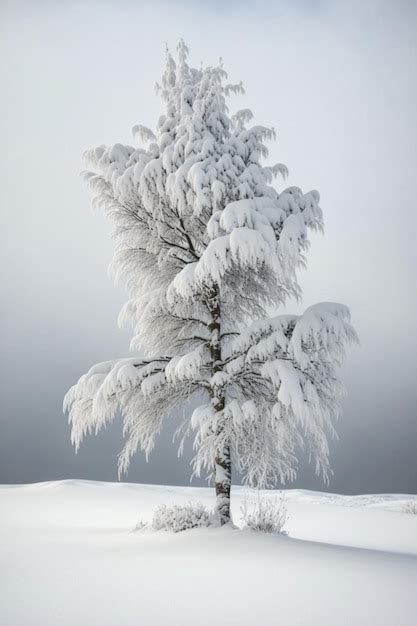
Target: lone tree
<point x="205" y="246"/>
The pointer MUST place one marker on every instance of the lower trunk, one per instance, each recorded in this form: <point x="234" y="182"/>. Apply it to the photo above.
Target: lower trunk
<point x="223" y="481"/>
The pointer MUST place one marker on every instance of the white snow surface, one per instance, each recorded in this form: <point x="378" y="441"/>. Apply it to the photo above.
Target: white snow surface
<point x="69" y="558"/>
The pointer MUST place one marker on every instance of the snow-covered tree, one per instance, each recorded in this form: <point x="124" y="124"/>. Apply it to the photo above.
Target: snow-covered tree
<point x="206" y="247"/>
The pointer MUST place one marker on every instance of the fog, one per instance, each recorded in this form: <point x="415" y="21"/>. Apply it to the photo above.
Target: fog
<point x="339" y="83"/>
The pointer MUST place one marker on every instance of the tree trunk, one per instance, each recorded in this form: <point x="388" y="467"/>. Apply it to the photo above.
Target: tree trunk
<point x="222" y="460"/>
<point x="223" y="481"/>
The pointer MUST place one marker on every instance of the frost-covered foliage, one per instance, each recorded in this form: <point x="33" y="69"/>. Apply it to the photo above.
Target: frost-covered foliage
<point x="205" y="245"/>
<point x="266" y="515"/>
<point x="410" y="507"/>
<point x="177" y="518"/>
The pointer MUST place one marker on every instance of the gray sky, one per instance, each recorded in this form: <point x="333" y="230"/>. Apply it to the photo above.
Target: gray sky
<point x="338" y="81"/>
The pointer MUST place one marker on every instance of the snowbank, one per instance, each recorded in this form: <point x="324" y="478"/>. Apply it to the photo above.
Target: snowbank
<point x="69" y="559"/>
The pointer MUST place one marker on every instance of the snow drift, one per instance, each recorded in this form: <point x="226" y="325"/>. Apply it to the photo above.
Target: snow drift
<point x="69" y="558"/>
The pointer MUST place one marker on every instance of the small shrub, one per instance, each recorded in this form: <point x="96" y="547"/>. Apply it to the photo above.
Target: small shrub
<point x="141" y="525"/>
<point x="178" y="518"/>
<point x="410" y="507"/>
<point x="267" y="515"/>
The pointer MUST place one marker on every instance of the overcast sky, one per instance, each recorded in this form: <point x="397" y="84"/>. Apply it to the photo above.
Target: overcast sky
<point x="338" y="81"/>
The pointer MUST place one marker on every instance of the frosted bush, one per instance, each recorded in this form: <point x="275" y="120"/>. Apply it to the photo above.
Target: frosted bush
<point x="140" y="526"/>
<point x="178" y="518"/>
<point x="267" y="515"/>
<point x="410" y="507"/>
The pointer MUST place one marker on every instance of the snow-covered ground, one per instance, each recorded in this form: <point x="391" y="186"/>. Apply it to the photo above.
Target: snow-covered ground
<point x="69" y="558"/>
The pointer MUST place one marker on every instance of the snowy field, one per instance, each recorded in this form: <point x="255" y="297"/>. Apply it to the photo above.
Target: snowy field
<point x="69" y="558"/>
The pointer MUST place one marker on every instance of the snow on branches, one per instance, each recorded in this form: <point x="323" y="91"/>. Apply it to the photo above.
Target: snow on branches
<point x="204" y="245"/>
